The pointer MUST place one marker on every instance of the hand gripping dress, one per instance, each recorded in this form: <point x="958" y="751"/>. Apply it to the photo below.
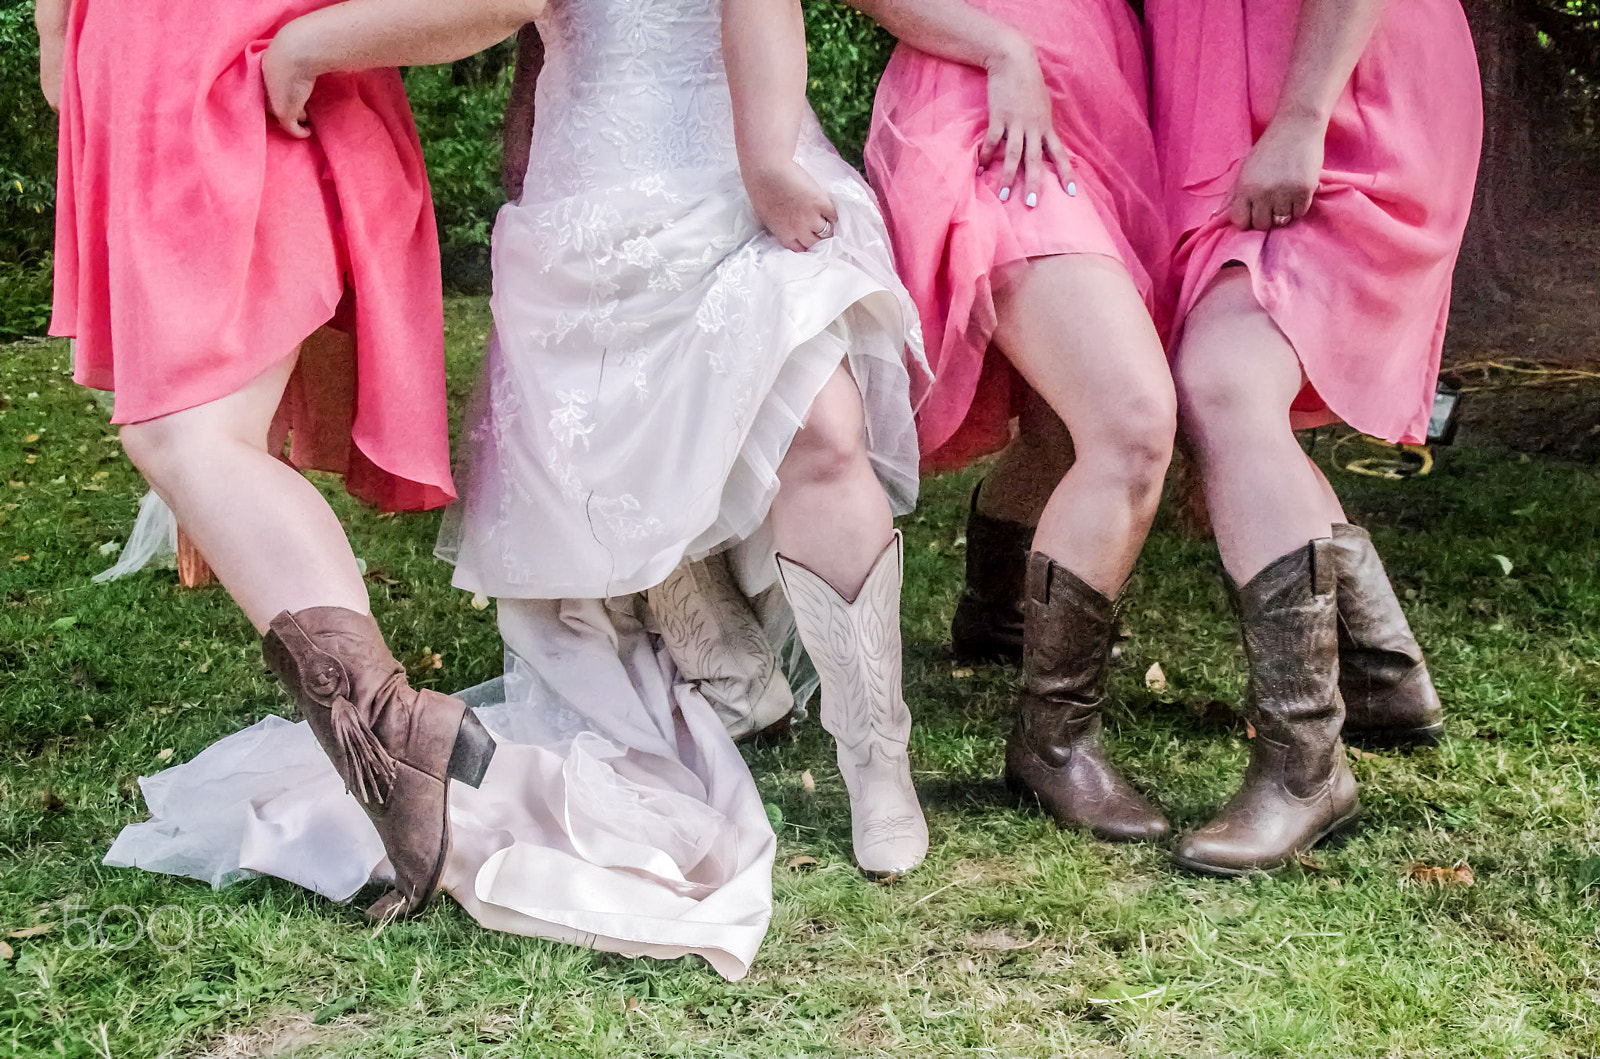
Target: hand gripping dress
<point x="654" y="353"/>
<point x="953" y="237"/>
<point x="197" y="244"/>
<point x="1361" y="284"/>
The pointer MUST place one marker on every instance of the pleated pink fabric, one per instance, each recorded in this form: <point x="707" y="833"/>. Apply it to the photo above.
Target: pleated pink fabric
<point x="197" y="244"/>
<point x="1361" y="285"/>
<point x="954" y="239"/>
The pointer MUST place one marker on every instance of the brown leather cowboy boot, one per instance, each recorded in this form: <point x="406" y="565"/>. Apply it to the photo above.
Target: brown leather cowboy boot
<point x="1389" y="699"/>
<point x="1298" y="789"/>
<point x="1055" y="751"/>
<point x="395" y="747"/>
<point x="987" y="626"/>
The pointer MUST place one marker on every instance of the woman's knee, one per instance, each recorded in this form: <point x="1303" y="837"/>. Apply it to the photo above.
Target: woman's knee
<point x="1133" y="438"/>
<point x="155" y="447"/>
<point x="833" y="443"/>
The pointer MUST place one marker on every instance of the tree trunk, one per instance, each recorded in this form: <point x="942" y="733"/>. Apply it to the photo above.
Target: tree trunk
<point x="1488" y="267"/>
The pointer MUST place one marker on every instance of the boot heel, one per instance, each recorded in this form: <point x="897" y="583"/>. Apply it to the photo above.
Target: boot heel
<point x="473" y="751"/>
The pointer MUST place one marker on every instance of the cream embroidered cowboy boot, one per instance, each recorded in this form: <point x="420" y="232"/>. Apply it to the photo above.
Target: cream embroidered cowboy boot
<point x="856" y="648"/>
<point x="717" y="642"/>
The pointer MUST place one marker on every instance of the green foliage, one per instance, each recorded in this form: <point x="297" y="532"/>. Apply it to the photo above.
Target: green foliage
<point x="848" y="53"/>
<point x="27" y="144"/>
<point x="24" y="297"/>
<point x="458" y="110"/>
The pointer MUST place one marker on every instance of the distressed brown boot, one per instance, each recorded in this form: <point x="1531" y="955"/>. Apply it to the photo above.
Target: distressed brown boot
<point x="1389" y="699"/>
<point x="987" y="626"/>
<point x="1298" y="789"/>
<point x="1055" y="752"/>
<point x="396" y="747"/>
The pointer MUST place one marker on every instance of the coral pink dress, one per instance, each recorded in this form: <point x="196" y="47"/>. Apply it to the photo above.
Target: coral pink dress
<point x="1361" y="285"/>
<point x="954" y="238"/>
<point x="197" y="244"/>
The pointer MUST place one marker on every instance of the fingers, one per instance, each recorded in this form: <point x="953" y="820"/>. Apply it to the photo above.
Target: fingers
<point x="297" y="126"/>
<point x="1062" y="161"/>
<point x="1032" y="169"/>
<point x="1015" y="142"/>
<point x="1239" y="210"/>
<point x="991" y="140"/>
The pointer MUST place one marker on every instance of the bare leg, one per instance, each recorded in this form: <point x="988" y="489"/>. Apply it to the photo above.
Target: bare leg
<point x="1237" y="376"/>
<point x="1079" y="333"/>
<point x="1019" y="485"/>
<point x="831" y="514"/>
<point x="266" y="531"/>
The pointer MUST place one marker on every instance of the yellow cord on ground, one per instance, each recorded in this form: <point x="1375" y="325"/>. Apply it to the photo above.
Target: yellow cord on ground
<point x="1397" y="462"/>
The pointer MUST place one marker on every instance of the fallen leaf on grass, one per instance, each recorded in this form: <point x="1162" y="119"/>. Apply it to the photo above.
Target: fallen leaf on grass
<point x="802" y="863"/>
<point x="960" y="674"/>
<point x="1359" y="754"/>
<point x="1428" y="875"/>
<point x="1155" y="678"/>
<point x="808" y="782"/>
<point x="480" y="602"/>
<point x="110" y="548"/>
<point x="163" y="753"/>
<point x="328" y="1012"/>
<point x="51" y="800"/>
<point x="1506" y="565"/>
<point x="632" y="1004"/>
<point x="33" y="931"/>
<point x="966" y="966"/>
<point x="1249" y="729"/>
<point x="5" y="951"/>
<point x="1309" y="864"/>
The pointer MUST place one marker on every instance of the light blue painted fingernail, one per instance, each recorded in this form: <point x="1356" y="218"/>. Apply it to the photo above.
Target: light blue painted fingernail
<point x="1005" y="194"/>
<point x="1072" y="188"/>
<point x="1032" y="200"/>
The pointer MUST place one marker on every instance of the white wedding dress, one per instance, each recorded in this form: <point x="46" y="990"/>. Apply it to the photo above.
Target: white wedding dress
<point x="654" y="353"/>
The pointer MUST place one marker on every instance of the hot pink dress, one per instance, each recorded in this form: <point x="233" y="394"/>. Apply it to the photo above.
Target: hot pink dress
<point x="197" y="244"/>
<point x="1361" y="285"/>
<point x="954" y="238"/>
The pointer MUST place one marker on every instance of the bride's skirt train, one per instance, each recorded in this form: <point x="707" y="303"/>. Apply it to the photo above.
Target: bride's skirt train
<point x="617" y="814"/>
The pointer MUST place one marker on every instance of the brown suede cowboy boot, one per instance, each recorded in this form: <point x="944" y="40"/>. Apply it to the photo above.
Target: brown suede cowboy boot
<point x="395" y="747"/>
<point x="1298" y="789"/>
<point x="987" y="626"/>
<point x="1389" y="699"/>
<point x="1055" y="752"/>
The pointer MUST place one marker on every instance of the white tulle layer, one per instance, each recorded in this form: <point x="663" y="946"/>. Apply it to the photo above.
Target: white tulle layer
<point x="616" y="814"/>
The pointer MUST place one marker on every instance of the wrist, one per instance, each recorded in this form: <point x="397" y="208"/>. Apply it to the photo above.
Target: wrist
<point x="1302" y="117"/>
<point x="296" y="49"/>
<point x="1009" y="48"/>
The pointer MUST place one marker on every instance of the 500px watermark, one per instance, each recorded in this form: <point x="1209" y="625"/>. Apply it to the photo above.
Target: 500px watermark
<point x="121" y="927"/>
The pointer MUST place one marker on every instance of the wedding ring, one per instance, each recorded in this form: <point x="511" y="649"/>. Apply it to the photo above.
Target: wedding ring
<point x="825" y="232"/>
<point x="1281" y="219"/>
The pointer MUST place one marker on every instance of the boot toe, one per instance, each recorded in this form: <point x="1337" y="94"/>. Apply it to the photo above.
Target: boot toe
<point x="1198" y="852"/>
<point x="1144" y="824"/>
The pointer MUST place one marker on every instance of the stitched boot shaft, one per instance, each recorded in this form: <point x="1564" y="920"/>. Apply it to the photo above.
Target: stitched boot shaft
<point x="1298" y="788"/>
<point x="394" y="746"/>
<point x="716" y="640"/>
<point x="988" y="622"/>
<point x="856" y="649"/>
<point x="1055" y="751"/>
<point x="1389" y="699"/>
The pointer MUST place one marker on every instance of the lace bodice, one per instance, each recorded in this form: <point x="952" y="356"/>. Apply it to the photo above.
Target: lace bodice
<point x="629" y="88"/>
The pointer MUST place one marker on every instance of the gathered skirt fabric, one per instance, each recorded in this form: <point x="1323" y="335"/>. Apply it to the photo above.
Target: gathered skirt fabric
<point x="616" y="813"/>
<point x="1361" y="285"/>
<point x="954" y="239"/>
<point x="197" y="244"/>
<point x="655" y="351"/>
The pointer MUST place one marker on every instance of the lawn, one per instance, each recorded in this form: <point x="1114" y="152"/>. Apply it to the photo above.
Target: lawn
<point x="1016" y="939"/>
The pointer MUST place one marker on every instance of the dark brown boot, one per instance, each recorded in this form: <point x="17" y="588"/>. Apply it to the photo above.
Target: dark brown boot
<point x="1055" y="752"/>
<point x="1298" y="789"/>
<point x="1389" y="699"/>
<point x="395" y="747"/>
<point x="987" y="626"/>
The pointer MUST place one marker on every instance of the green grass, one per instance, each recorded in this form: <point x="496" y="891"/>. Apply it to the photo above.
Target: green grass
<point x="1016" y="939"/>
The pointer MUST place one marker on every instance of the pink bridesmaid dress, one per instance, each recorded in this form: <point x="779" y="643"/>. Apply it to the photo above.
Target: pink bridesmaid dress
<point x="1361" y="285"/>
<point x="953" y="237"/>
<point x="197" y="244"/>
